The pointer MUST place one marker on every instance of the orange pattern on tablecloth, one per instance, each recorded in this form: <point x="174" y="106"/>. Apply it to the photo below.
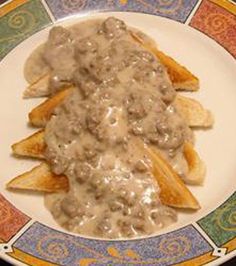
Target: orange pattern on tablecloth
<point x="231" y="245"/>
<point x="218" y="23"/>
<point x="11" y="220"/>
<point x="27" y="258"/>
<point x="226" y="4"/>
<point x="11" y="6"/>
<point x="205" y="258"/>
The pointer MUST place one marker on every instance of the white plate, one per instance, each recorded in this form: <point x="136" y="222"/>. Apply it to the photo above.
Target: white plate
<point x="207" y="60"/>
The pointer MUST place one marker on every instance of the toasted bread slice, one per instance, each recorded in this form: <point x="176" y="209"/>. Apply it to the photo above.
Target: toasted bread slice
<point x="173" y="191"/>
<point x="41" y="113"/>
<point x="39" y="88"/>
<point x="40" y="179"/>
<point x="33" y="146"/>
<point x="193" y="112"/>
<point x="197" y="168"/>
<point x="180" y="76"/>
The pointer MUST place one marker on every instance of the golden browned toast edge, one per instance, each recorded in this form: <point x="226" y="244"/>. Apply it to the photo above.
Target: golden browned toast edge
<point x="32" y="146"/>
<point x="173" y="191"/>
<point x="40" y="179"/>
<point x="180" y="76"/>
<point x="197" y="168"/>
<point x="40" y="114"/>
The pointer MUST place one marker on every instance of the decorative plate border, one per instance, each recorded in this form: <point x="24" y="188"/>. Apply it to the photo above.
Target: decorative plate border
<point x="210" y="238"/>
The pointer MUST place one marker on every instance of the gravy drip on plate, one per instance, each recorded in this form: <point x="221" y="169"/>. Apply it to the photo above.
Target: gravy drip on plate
<point x="122" y="95"/>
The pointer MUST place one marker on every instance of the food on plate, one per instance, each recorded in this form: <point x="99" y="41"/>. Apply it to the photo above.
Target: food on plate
<point x="39" y="76"/>
<point x="173" y="192"/>
<point x="33" y="146"/>
<point x="191" y="110"/>
<point x="41" y="179"/>
<point x="41" y="114"/>
<point x="115" y="132"/>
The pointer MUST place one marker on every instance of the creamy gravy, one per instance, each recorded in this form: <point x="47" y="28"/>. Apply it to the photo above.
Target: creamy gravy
<point x="123" y="95"/>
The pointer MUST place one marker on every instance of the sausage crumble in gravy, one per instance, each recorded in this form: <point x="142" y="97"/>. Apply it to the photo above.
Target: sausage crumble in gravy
<point x="122" y="95"/>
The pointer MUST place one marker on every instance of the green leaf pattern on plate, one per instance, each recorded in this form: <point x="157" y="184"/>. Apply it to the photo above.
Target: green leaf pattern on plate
<point x="20" y="23"/>
<point x="220" y="224"/>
